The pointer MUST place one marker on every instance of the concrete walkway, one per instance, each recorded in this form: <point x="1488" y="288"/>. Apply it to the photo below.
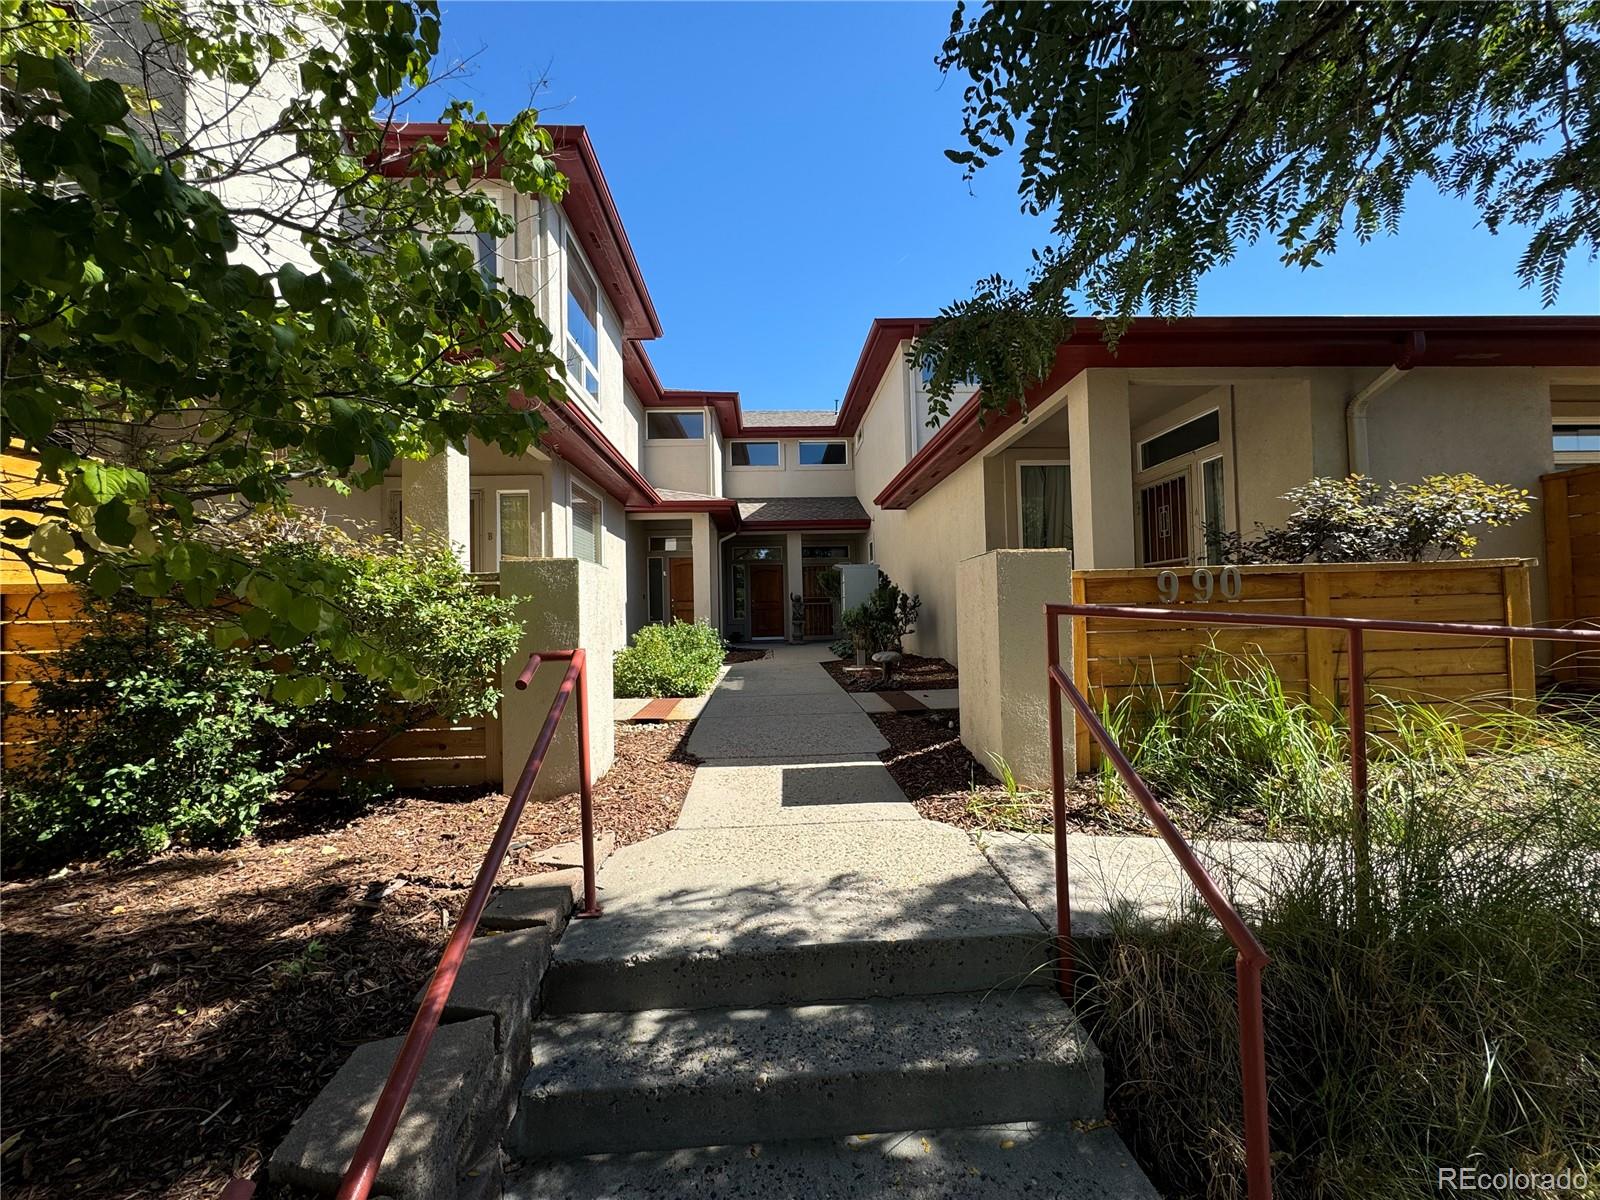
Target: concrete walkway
<point x="805" y="989"/>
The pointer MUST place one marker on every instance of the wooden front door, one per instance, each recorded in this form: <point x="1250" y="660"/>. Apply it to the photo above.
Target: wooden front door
<point x="766" y="600"/>
<point x="680" y="588"/>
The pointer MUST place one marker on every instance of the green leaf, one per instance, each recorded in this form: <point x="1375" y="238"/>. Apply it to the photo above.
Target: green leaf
<point x="105" y="580"/>
<point x="111" y="523"/>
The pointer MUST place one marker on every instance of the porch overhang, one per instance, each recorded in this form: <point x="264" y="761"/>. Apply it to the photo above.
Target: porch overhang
<point x="1240" y="342"/>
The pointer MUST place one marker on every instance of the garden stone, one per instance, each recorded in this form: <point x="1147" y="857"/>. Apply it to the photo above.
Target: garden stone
<point x="499" y="978"/>
<point x="533" y="901"/>
<point x="422" y="1160"/>
<point x="570" y="854"/>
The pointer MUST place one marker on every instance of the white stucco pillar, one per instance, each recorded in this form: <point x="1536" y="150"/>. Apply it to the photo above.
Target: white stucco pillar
<point x="795" y="571"/>
<point x="437" y="500"/>
<point x="1101" y="448"/>
<point x="703" y="542"/>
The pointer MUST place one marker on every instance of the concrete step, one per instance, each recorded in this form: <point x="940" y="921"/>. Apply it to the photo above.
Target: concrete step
<point x="996" y="1163"/>
<point x="622" y="1082"/>
<point x="796" y="914"/>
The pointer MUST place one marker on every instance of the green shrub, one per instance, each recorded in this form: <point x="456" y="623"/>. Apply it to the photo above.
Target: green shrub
<point x="1353" y="520"/>
<point x="880" y="622"/>
<point x="679" y="659"/>
<point x="160" y="738"/>
<point x="1443" y="1015"/>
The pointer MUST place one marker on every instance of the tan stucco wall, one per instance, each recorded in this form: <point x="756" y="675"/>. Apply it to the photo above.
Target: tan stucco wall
<point x="920" y="546"/>
<point x="792" y="479"/>
<point x="881" y="438"/>
<point x="1004" y="693"/>
<point x="682" y="466"/>
<point x="562" y="603"/>
<point x="1273" y="439"/>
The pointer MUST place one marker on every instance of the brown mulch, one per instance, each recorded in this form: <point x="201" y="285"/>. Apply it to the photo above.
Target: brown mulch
<point x="165" y="1023"/>
<point x="744" y="656"/>
<point x="939" y="775"/>
<point x="912" y="673"/>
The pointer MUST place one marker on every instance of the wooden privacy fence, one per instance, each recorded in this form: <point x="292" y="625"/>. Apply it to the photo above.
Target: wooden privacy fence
<point x="1111" y="659"/>
<point x="37" y="621"/>
<point x="1572" y="558"/>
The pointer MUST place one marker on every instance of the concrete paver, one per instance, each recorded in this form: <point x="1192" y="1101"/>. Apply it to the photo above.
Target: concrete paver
<point x="788" y="791"/>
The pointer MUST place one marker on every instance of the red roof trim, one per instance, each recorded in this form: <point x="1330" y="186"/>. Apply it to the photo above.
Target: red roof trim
<point x="588" y="204"/>
<point x="575" y="437"/>
<point x="724" y="512"/>
<point x="772" y="526"/>
<point x="1263" y="342"/>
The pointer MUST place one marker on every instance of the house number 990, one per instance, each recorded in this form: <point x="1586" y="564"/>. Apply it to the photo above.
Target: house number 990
<point x="1205" y="584"/>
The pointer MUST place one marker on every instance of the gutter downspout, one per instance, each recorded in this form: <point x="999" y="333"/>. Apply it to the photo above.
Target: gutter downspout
<point x="1358" y="457"/>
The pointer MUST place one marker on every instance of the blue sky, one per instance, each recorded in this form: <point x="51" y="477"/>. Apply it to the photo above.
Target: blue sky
<point x="781" y="172"/>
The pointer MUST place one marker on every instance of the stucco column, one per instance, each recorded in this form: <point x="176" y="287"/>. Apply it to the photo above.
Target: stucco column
<point x="1100" y="437"/>
<point x="796" y="580"/>
<point x="704" y="545"/>
<point x="437" y="500"/>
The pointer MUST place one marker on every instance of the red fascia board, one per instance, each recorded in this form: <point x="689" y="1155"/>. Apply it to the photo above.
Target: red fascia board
<point x="882" y="344"/>
<point x="1263" y="342"/>
<point x="588" y="204"/>
<point x="574" y="436"/>
<point x="852" y="523"/>
<point x="725" y="513"/>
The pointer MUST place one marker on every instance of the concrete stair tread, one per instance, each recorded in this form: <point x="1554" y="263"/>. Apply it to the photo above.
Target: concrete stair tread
<point x="604" y="1082"/>
<point x="988" y="1163"/>
<point x="795" y="914"/>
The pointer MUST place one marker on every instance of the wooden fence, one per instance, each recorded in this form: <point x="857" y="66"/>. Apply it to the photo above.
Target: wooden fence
<point x="37" y="621"/>
<point x="1572" y="558"/>
<point x="1112" y="658"/>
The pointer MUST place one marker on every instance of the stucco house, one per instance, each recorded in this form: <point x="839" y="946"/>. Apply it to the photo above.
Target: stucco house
<point x="693" y="507"/>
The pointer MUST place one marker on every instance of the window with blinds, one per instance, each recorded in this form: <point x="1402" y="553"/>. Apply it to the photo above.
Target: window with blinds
<point x="585" y="525"/>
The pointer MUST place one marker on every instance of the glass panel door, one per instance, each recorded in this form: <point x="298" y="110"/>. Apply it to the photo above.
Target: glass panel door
<point x="1164" y="521"/>
<point x="514" y="524"/>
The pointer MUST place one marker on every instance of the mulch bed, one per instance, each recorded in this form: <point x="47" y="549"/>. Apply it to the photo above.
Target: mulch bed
<point x="913" y="673"/>
<point x="165" y="1023"/>
<point x="939" y="775"/>
<point x="744" y="656"/>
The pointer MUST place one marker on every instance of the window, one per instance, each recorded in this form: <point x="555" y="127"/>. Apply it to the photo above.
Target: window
<point x="757" y="553"/>
<point x="1186" y="438"/>
<point x="825" y="553"/>
<point x="663" y="545"/>
<point x="583" y="325"/>
<point x="658" y="589"/>
<point x="586" y="514"/>
<point x="514" y="525"/>
<point x="1215" y="516"/>
<point x="484" y="246"/>
<point x="822" y="454"/>
<point x="1578" y="439"/>
<point x="756" y="454"/>
<point x="674" y="426"/>
<point x="1044" y="506"/>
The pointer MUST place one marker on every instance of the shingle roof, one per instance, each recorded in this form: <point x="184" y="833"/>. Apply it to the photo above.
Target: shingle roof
<point x="670" y="494"/>
<point x="783" y="509"/>
<point x="771" y="418"/>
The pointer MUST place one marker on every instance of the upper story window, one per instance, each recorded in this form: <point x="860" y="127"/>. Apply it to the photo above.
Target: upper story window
<point x="1204" y="430"/>
<point x="661" y="426"/>
<point x="583" y="325"/>
<point x="756" y="454"/>
<point x="823" y="454"/>
<point x="485" y="249"/>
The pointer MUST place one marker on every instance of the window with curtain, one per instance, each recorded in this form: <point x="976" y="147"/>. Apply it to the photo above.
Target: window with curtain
<point x="585" y="526"/>
<point x="1044" y="499"/>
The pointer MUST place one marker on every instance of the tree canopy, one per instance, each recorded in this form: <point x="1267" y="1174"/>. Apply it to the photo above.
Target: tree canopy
<point x="221" y="277"/>
<point x="1158" y="138"/>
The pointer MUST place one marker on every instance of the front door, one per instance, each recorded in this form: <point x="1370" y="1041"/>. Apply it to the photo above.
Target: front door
<point x="1164" y="521"/>
<point x="766" y="600"/>
<point x="680" y="587"/>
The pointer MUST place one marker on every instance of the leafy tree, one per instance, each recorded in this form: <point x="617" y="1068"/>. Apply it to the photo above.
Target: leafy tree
<point x="1159" y="137"/>
<point x="221" y="277"/>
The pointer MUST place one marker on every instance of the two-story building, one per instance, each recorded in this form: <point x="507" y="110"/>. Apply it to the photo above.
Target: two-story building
<point x="698" y="509"/>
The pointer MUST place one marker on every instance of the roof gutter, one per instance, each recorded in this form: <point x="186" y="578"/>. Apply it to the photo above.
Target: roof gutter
<point x="1358" y="454"/>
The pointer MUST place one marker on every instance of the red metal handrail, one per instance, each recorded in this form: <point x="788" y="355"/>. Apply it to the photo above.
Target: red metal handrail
<point x="1251" y="957"/>
<point x="362" y="1173"/>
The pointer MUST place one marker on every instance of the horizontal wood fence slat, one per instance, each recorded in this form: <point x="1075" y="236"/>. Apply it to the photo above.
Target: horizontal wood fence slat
<point x="1467" y="677"/>
<point x="37" y="621"/>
